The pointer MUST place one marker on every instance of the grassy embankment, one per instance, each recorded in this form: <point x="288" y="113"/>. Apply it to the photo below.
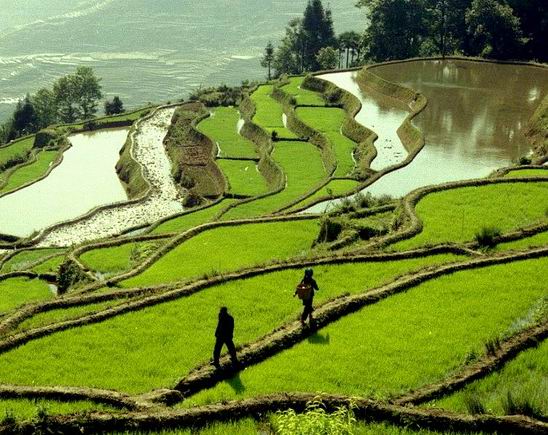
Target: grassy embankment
<point x="329" y="122"/>
<point x="269" y="113"/>
<point x="25" y="260"/>
<point x="228" y="248"/>
<point x="117" y="259"/>
<point x="26" y="409"/>
<point x="524" y="378"/>
<point x="18" y="291"/>
<point x="540" y="239"/>
<point x="302" y="164"/>
<point x="403" y="342"/>
<point x="302" y="96"/>
<point x="221" y="127"/>
<point x="169" y="339"/>
<point x="456" y="215"/>
<point x="523" y="173"/>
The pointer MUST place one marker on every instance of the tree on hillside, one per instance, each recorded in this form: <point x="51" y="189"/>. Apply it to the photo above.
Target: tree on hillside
<point x="288" y="57"/>
<point x="396" y="29"/>
<point x="77" y="95"/>
<point x="327" y="58"/>
<point x="494" y="30"/>
<point x="24" y="120"/>
<point x="45" y="107"/>
<point x="268" y="58"/>
<point x="114" y="107"/>
<point x="317" y="29"/>
<point x="350" y="43"/>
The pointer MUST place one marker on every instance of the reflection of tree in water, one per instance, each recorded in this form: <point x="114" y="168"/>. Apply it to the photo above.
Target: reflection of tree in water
<point x="473" y="108"/>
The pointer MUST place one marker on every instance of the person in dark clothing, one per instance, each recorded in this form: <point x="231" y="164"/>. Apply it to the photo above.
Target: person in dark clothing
<point x="305" y="291"/>
<point x="223" y="335"/>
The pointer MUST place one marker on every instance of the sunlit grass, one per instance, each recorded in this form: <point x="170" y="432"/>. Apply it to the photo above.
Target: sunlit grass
<point x="524" y="377"/>
<point x="229" y="248"/>
<point x="26" y="409"/>
<point x="221" y="127"/>
<point x="18" y="148"/>
<point x="192" y="219"/>
<point x="25" y="259"/>
<point x="28" y="173"/>
<point x="329" y="122"/>
<point x="304" y="169"/>
<point x="456" y="215"/>
<point x="302" y="96"/>
<point x="50" y="266"/>
<point x="332" y="189"/>
<point x="117" y="259"/>
<point x="523" y="173"/>
<point x="18" y="291"/>
<point x="401" y="343"/>
<point x="154" y="347"/>
<point x="540" y="239"/>
<point x="269" y="112"/>
<point x="243" y="177"/>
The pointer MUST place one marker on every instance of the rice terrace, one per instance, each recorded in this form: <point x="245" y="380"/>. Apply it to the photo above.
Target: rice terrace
<point x="403" y="171"/>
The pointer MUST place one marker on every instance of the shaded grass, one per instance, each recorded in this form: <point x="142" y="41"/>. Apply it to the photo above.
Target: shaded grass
<point x="17" y="291"/>
<point x="25" y="259"/>
<point x="26" y="409"/>
<point x="117" y="259"/>
<point x="401" y="343"/>
<point x="524" y="377"/>
<point x="193" y="219"/>
<point x="269" y="112"/>
<point x="329" y="122"/>
<point x="154" y="347"/>
<point x="333" y="188"/>
<point x="17" y="149"/>
<point x="540" y="239"/>
<point x="243" y="177"/>
<point x="302" y="96"/>
<point x="51" y="265"/>
<point x="523" y="173"/>
<point x="302" y="164"/>
<point x="456" y="215"/>
<point x="221" y="127"/>
<point x="31" y="172"/>
<point x="229" y="248"/>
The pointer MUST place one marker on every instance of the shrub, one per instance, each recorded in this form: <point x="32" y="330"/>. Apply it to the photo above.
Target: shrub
<point x="192" y="199"/>
<point x="486" y="237"/>
<point x="274" y="135"/>
<point x="473" y="404"/>
<point x="366" y="232"/>
<point x="330" y="230"/>
<point x="45" y="137"/>
<point x="90" y="125"/>
<point x="69" y="275"/>
<point x="524" y="160"/>
<point x="314" y="421"/>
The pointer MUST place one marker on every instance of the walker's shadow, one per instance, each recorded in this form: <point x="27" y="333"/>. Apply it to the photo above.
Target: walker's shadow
<point x="236" y="383"/>
<point x="319" y="338"/>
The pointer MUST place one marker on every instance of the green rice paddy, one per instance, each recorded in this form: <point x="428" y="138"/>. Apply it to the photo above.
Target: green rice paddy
<point x="456" y="215"/>
<point x="221" y="127"/>
<point x="155" y="346"/>
<point x="26" y="259"/>
<point x="329" y="122"/>
<point x="28" y="173"/>
<point x="401" y="343"/>
<point x="243" y="177"/>
<point x="18" y="291"/>
<point x="302" y="96"/>
<point x="269" y="113"/>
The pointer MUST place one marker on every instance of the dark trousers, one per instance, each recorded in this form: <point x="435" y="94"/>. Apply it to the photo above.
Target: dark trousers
<point x="307" y="311"/>
<point x="219" y="342"/>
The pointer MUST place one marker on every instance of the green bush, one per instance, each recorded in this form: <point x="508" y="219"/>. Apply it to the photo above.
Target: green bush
<point x="330" y="230"/>
<point x="314" y="421"/>
<point x="486" y="237"/>
<point x="45" y="138"/>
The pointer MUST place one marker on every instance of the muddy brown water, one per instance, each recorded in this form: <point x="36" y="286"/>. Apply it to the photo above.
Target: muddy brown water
<point x="473" y="123"/>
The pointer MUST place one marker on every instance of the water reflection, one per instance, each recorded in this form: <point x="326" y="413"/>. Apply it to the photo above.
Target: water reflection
<point x="85" y="179"/>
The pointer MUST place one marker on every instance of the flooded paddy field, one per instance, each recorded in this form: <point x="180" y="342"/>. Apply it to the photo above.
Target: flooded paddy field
<point x="86" y="178"/>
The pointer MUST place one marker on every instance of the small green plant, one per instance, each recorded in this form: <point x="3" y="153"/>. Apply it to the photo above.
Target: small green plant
<point x="274" y="135"/>
<point x="9" y="418"/>
<point x="473" y="404"/>
<point x="519" y="406"/>
<point x="492" y="346"/>
<point x="486" y="237"/>
<point x="315" y="421"/>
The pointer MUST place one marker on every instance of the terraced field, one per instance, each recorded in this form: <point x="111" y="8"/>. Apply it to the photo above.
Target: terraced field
<point x="423" y="325"/>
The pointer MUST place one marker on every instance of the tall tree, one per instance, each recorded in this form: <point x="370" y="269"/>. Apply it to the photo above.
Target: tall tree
<point x="24" y="119"/>
<point x="397" y="28"/>
<point x="46" y="109"/>
<point x="288" y="58"/>
<point x="350" y="43"/>
<point x="268" y="58"/>
<point x="77" y="95"/>
<point x="494" y="30"/>
<point x="317" y="29"/>
<point x="327" y="58"/>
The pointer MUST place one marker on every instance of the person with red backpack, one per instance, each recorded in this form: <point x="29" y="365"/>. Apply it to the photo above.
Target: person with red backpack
<point x="305" y="292"/>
